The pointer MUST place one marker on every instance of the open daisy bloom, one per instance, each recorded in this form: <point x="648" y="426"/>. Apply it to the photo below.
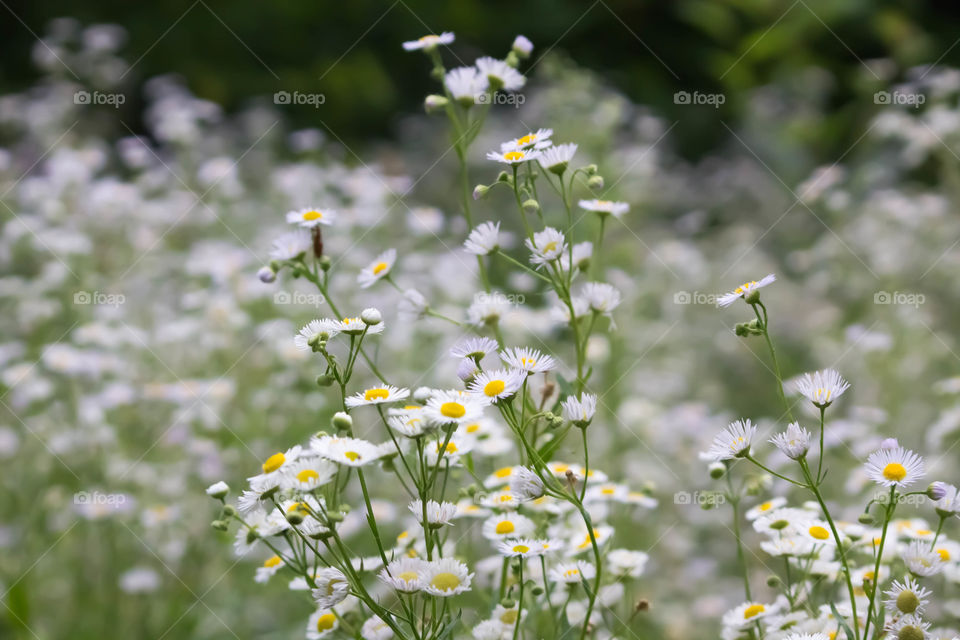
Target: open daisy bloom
<point x="377" y="395"/>
<point x="429" y="42"/>
<point x="605" y="207"/>
<point x="378" y="269"/>
<point x="748" y="291"/>
<point x="821" y="387"/>
<point x="513" y="156"/>
<point x="311" y="217"/>
<point x="894" y="467"/>
<point x="733" y="442"/>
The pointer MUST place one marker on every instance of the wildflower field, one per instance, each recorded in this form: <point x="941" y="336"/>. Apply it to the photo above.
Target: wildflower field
<point x="522" y="368"/>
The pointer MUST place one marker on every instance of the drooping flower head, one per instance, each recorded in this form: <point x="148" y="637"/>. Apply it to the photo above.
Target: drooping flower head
<point x="748" y="291"/>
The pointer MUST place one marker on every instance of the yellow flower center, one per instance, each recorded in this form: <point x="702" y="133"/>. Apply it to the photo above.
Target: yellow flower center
<point x="550" y="246"/>
<point x="753" y="610"/>
<point x="312" y="215"/>
<point x="326" y="622"/>
<point x="352" y="456"/>
<point x="894" y="472"/>
<point x="746" y="285"/>
<point x="407" y="576"/>
<point x="571" y="573"/>
<point x="494" y="387"/>
<point x="376" y="394"/>
<point x="766" y="506"/>
<point x="274" y="462"/>
<point x="450" y="448"/>
<point x="608" y="491"/>
<point x="509" y="616"/>
<point x="527" y="139"/>
<point x="521" y="548"/>
<point x="379" y="268"/>
<point x="604" y="203"/>
<point x="307" y="475"/>
<point x="819" y="532"/>
<point x="944" y="554"/>
<point x="505" y="527"/>
<point x="403" y="535"/>
<point x="453" y="409"/>
<point x="561" y="468"/>
<point x="445" y="581"/>
<point x="473" y="428"/>
<point x="503" y="473"/>
<point x="513" y="156"/>
<point x="302" y="507"/>
<point x="272" y="562"/>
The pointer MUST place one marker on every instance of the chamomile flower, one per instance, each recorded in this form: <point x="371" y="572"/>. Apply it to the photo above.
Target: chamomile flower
<point x="582" y="253"/>
<point x="602" y="297"/>
<point x="573" y="572"/>
<point x="352" y="452"/>
<point x="410" y="426"/>
<point x="526" y="359"/>
<point x="546" y="246"/>
<point x="497" y="385"/>
<point x="322" y="623"/>
<point x="276" y="462"/>
<point x="268" y="569"/>
<point x="605" y="207"/>
<point x="556" y="159"/>
<point x="746" y="614"/>
<point x="949" y="503"/>
<point x="438" y="513"/>
<point x="921" y="560"/>
<point x="403" y="575"/>
<point x="507" y="525"/>
<point x="355" y="326"/>
<point x="821" y="387"/>
<point x="513" y="156"/>
<point x="794" y="442"/>
<point x="627" y="563"/>
<point x="539" y="139"/>
<point x="474" y="348"/>
<point x="378" y="269"/>
<point x="446" y="577"/>
<point x="765" y="507"/>
<point x="484" y="239"/>
<point x="315" y="330"/>
<point x="733" y="442"/>
<point x="894" y="467"/>
<point x="522" y="46"/>
<point x="818" y="532"/>
<point x="309" y="218"/>
<point x="906" y="597"/>
<point x="908" y="627"/>
<point x="746" y="291"/>
<point x="504" y="500"/>
<point x="429" y="42"/>
<point x="499" y="74"/>
<point x="307" y="473"/>
<point x="525" y="484"/>
<point x="377" y="395"/>
<point x="448" y="451"/>
<point x="580" y="411"/>
<point x="466" y="84"/>
<point x="445" y="407"/>
<point x="520" y="548"/>
<point x="290" y="246"/>
<point x="332" y="588"/>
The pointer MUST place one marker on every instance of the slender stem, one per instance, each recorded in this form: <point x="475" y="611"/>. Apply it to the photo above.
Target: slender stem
<point x="890" y="507"/>
<point x="516" y="625"/>
<point x="823" y="410"/>
<point x="773" y="355"/>
<point x="741" y="557"/>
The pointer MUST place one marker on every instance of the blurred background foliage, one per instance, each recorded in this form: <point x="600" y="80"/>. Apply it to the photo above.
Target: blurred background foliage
<point x="233" y="52"/>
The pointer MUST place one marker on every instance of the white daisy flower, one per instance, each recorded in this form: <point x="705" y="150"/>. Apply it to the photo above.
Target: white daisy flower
<point x="733" y="442"/>
<point x="332" y="588"/>
<point x="520" y="548"/>
<point x="322" y="623"/>
<point x="746" y="614"/>
<point x="794" y="442"/>
<point x="309" y="218"/>
<point x="573" y="572"/>
<point x="921" y="560"/>
<point x="789" y="547"/>
<point x="499" y="74"/>
<point x="484" y="239"/>
<point x="500" y="500"/>
<point x="745" y="291"/>
<point x="906" y="597"/>
<point x="522" y="46"/>
<point x="487" y="309"/>
<point x="438" y="513"/>
<point x="580" y="411"/>
<point x="821" y="387"/>
<point x="446" y="577"/>
<point x="894" y="467"/>
<point x="908" y="626"/>
<point x="513" y="156"/>
<point x="507" y="525"/>
<point x="290" y="246"/>
<point x="627" y="563"/>
<point x="605" y="207"/>
<point x="268" y="569"/>
<point x="277" y="461"/>
<point x="445" y="407"/>
<point x="355" y="326"/>
<point x="379" y="268"/>
<point x="525" y="484"/>
<point x="455" y="447"/>
<point x="429" y="42"/>
<point x="529" y="360"/>
<point x="314" y="330"/>
<point x="818" y="532"/>
<point x="949" y="503"/>
<point x="584" y="542"/>
<point x="474" y="348"/>
<point x="218" y="489"/>
<point x="413" y="304"/>
<point x="556" y="159"/>
<point x="410" y="426"/>
<point x="352" y="452"/>
<point x="546" y="246"/>
<point x="307" y="474"/>
<point x="765" y="507"/>
<point x="377" y="395"/>
<point x="403" y="574"/>
<point x="376" y="629"/>
<point x="539" y="139"/>
<point x="466" y="84"/>
<point x="582" y="253"/>
<point x="602" y="297"/>
<point x="497" y="385"/>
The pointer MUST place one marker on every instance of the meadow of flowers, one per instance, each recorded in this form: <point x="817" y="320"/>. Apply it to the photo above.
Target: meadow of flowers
<point x="522" y="373"/>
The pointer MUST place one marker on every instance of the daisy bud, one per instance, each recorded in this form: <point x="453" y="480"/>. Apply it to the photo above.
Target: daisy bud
<point x="504" y="177"/>
<point x="531" y="206"/>
<point x="479" y="191"/>
<point x="522" y="47"/>
<point x="774" y="581"/>
<point x="865" y="519"/>
<point x="512" y="60"/>
<point x="325" y="263"/>
<point x="266" y="274"/>
<point x="219" y="525"/>
<point x="371" y="316"/>
<point x="717" y="470"/>
<point x="325" y="380"/>
<point x="335" y="516"/>
<point x="435" y="103"/>
<point x="752" y="296"/>
<point x="591" y="169"/>
<point x="342" y="421"/>
<point x="467" y="370"/>
<point x="295" y="517"/>
<point x="229" y="511"/>
<point x="537" y="590"/>
<point x="595" y="182"/>
<point x="642" y="605"/>
<point x="508" y="603"/>
<point x="275" y="266"/>
<point x="936" y="491"/>
<point x="218" y="490"/>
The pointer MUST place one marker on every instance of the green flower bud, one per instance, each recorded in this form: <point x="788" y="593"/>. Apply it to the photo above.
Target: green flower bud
<point x="531" y="206"/>
<point x="508" y="603"/>
<point x="717" y="470"/>
<point x="435" y="103"/>
<point x="774" y="581"/>
<point x="219" y="525"/>
<point x="342" y="421"/>
<point x="229" y="511"/>
<point x="595" y="182"/>
<point x="866" y="519"/>
<point x="480" y="191"/>
<point x="325" y="380"/>
<point x="325" y="263"/>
